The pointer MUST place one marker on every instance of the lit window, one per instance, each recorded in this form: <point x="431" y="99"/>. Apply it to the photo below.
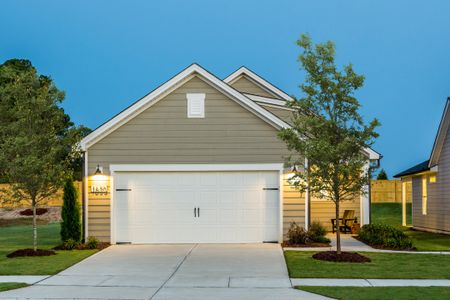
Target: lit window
<point x="195" y="105"/>
<point x="424" y="194"/>
<point x="432" y="178"/>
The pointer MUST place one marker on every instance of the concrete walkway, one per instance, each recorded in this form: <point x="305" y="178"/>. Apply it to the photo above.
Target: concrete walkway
<point x="202" y="271"/>
<point x="23" y="278"/>
<point x="369" y="282"/>
<point x="348" y="243"/>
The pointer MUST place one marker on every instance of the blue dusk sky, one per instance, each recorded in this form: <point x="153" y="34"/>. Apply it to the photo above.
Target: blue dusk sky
<point x="107" y="54"/>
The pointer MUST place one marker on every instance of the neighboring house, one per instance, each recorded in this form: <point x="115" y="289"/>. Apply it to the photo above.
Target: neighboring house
<point x="198" y="160"/>
<point x="431" y="183"/>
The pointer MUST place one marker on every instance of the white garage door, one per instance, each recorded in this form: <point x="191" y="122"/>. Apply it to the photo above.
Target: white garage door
<point x="196" y="207"/>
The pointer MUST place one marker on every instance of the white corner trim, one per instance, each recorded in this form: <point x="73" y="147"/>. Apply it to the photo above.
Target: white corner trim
<point x="364" y="201"/>
<point x="195" y="105"/>
<point x="86" y="194"/>
<point x="193" y="167"/>
<point x="168" y="86"/>
<point x="281" y="203"/>
<point x="259" y="80"/>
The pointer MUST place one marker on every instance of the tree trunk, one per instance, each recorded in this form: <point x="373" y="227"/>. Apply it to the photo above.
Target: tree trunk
<point x="34" y="225"/>
<point x="338" y="232"/>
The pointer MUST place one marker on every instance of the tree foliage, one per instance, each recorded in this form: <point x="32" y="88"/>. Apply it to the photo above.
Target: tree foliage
<point x="71" y="214"/>
<point x="36" y="137"/>
<point x="328" y="129"/>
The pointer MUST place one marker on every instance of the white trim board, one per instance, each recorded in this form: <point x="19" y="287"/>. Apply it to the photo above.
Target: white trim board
<point x="170" y="85"/>
<point x="266" y="99"/>
<point x="193" y="167"/>
<point x="258" y="80"/>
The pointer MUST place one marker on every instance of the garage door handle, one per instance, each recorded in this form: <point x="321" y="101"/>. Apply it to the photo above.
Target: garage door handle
<point x="195" y="212"/>
<point x="198" y="212"/>
<point x="270" y="189"/>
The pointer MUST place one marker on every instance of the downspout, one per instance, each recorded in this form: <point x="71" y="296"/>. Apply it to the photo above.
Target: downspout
<point x="83" y="197"/>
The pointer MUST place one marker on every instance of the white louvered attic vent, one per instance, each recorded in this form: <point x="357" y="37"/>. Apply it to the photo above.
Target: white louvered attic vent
<point x="195" y="105"/>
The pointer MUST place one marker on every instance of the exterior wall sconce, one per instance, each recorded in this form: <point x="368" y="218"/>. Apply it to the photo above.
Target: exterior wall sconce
<point x="99" y="182"/>
<point x="98" y="171"/>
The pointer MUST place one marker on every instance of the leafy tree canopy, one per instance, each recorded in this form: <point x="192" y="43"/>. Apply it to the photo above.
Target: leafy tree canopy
<point x="328" y="129"/>
<point x="37" y="138"/>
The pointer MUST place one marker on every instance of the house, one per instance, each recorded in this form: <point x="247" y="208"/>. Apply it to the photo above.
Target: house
<point x="198" y="160"/>
<point x="431" y="184"/>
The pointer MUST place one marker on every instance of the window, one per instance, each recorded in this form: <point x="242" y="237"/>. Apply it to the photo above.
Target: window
<point x="195" y="105"/>
<point x="432" y="178"/>
<point x="424" y="194"/>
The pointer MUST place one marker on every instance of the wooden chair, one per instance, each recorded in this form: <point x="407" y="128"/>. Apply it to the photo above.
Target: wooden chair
<point x="345" y="223"/>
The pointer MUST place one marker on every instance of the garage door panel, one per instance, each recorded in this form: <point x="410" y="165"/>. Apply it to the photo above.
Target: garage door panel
<point x="160" y="207"/>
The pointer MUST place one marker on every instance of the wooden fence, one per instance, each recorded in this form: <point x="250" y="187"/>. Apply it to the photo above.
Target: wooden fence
<point x="389" y="191"/>
<point x="56" y="200"/>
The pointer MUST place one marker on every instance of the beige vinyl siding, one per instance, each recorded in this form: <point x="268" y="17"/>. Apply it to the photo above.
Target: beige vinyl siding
<point x="245" y="85"/>
<point x="163" y="134"/>
<point x="438" y="200"/>
<point x="283" y="114"/>
<point x="293" y="206"/>
<point x="323" y="210"/>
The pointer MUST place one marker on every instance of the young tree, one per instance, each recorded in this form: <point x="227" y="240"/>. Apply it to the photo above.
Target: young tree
<point x="382" y="175"/>
<point x="36" y="137"/>
<point x="328" y="130"/>
<point x="71" y="215"/>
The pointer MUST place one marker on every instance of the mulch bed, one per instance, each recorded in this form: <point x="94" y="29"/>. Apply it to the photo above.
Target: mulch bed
<point x="30" y="252"/>
<point x="100" y="246"/>
<point x="29" y="212"/>
<point x="343" y="257"/>
<point x="381" y="247"/>
<point x="308" y="245"/>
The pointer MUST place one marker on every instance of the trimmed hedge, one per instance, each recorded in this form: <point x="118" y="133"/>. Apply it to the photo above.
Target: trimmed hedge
<point x="385" y="236"/>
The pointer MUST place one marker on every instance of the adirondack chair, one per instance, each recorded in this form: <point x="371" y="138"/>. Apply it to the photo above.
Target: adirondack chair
<point x="345" y="223"/>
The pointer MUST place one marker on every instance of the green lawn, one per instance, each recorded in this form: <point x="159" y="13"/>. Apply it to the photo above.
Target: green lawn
<point x="5" y="286"/>
<point x="380" y="293"/>
<point x="383" y="265"/>
<point x="20" y="236"/>
<point x="391" y="213"/>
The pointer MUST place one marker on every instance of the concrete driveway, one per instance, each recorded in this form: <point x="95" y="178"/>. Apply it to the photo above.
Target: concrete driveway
<point x="200" y="271"/>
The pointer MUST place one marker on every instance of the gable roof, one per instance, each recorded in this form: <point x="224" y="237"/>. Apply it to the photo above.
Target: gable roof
<point x="440" y="136"/>
<point x="419" y="168"/>
<point x="248" y="101"/>
<point x="258" y="80"/>
<point x="167" y="87"/>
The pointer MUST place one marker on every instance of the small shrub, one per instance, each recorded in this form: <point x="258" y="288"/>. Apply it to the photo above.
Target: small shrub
<point x="92" y="242"/>
<point x="297" y="234"/>
<point x="317" y="232"/>
<point x="29" y="211"/>
<point x="70" y="244"/>
<point x="386" y="236"/>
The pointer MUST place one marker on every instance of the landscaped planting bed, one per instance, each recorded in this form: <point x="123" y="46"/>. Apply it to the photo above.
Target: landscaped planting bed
<point x="301" y="264"/>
